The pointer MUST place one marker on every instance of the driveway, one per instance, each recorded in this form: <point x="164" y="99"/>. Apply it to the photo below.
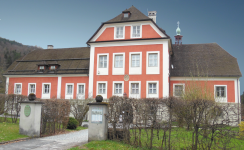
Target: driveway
<point x="60" y="142"/>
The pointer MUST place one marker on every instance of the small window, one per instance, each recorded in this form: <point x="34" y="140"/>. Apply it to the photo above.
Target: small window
<point x="118" y="88"/>
<point x="135" y="60"/>
<point x="178" y="90"/>
<point x="103" y="61"/>
<point x="52" y="67"/>
<point x="118" y="61"/>
<point x="69" y="89"/>
<point x="152" y="88"/>
<point x="153" y="60"/>
<point x="46" y="89"/>
<point x="41" y="67"/>
<point x="32" y="88"/>
<point x="126" y="15"/>
<point x="220" y="91"/>
<point x="101" y="88"/>
<point x="136" y="31"/>
<point x="119" y="32"/>
<point x="17" y="89"/>
<point x="134" y="88"/>
<point x="81" y="89"/>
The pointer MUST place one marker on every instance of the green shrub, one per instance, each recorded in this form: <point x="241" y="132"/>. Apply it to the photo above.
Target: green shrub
<point x="72" y="124"/>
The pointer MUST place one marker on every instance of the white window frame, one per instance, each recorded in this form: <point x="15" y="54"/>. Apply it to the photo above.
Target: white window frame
<point x="135" y="70"/>
<point x="51" y="67"/>
<point x="134" y="95"/>
<point x="46" y="96"/>
<point x="153" y="70"/>
<point x="20" y="88"/>
<point x="29" y="88"/>
<point x="66" y="88"/>
<point x="174" y="88"/>
<point x="106" y="91"/>
<point x="81" y="96"/>
<point x="152" y="95"/>
<point x="118" y="82"/>
<point x="115" y="32"/>
<point x="102" y="71"/>
<point x="131" y="31"/>
<point x="118" y="71"/>
<point x="221" y="99"/>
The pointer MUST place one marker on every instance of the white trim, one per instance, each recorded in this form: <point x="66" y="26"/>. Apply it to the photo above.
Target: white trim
<point x="131" y="31"/>
<point x="236" y="95"/>
<point x="221" y="100"/>
<point x="106" y="85"/>
<point x="114" y="82"/>
<point x="59" y="85"/>
<point x="91" y="72"/>
<point x="118" y="71"/>
<point x="49" y="75"/>
<point x="81" y="96"/>
<point x="102" y="71"/>
<point x="203" y="78"/>
<point x="165" y="69"/>
<point x="134" y="95"/>
<point x="46" y="96"/>
<point x="152" y="95"/>
<point x="178" y="84"/>
<point x="28" y="92"/>
<point x="153" y="70"/>
<point x="20" y="88"/>
<point x="115" y="31"/>
<point x="135" y="70"/>
<point x="66" y="95"/>
<point x="7" y="83"/>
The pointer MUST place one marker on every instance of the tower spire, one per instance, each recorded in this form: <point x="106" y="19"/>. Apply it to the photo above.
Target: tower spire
<point x="178" y="37"/>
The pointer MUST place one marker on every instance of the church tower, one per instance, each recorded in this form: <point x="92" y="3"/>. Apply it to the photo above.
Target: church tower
<point x="178" y="37"/>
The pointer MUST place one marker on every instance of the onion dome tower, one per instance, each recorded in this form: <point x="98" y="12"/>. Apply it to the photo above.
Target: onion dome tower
<point x="178" y="37"/>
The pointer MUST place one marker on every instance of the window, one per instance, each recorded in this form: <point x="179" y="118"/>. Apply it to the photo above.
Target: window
<point x="136" y="31"/>
<point x="135" y="60"/>
<point x="103" y="61"/>
<point x="134" y="88"/>
<point x="17" y="88"/>
<point x="118" y="63"/>
<point x="220" y="91"/>
<point x="178" y="89"/>
<point x="32" y="88"/>
<point x="69" y="89"/>
<point x="119" y="32"/>
<point x="52" y="67"/>
<point x="152" y="88"/>
<point x="101" y="88"/>
<point x="46" y="89"/>
<point x="41" y="67"/>
<point x="80" y="89"/>
<point x="126" y="15"/>
<point x="118" y="88"/>
<point x="153" y="60"/>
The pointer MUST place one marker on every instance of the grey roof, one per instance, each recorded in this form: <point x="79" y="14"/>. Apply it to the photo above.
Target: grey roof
<point x="69" y="60"/>
<point x="135" y="15"/>
<point x="208" y="60"/>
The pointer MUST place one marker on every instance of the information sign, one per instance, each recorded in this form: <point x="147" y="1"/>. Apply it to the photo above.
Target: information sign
<point x="97" y="115"/>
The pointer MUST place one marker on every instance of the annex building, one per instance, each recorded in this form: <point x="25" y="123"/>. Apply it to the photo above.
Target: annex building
<point x="129" y="54"/>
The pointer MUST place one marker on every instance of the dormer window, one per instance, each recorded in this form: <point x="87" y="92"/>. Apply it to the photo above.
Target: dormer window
<point x="41" y="67"/>
<point x="126" y="15"/>
<point x="52" y="67"/>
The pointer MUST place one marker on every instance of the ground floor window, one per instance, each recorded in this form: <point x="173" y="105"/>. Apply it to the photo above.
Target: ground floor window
<point x="178" y="89"/>
<point x="101" y="88"/>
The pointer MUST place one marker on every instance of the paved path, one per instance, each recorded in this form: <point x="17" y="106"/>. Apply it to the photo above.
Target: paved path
<point x="60" y="142"/>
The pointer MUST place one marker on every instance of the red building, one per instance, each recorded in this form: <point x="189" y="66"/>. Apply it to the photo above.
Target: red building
<point x="128" y="54"/>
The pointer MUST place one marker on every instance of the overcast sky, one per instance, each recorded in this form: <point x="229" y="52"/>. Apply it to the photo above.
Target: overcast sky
<point x="70" y="23"/>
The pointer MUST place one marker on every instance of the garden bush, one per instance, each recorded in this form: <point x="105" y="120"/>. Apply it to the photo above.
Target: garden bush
<point x="73" y="123"/>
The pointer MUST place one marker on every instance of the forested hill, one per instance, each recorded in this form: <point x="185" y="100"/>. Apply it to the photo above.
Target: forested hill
<point x="9" y="52"/>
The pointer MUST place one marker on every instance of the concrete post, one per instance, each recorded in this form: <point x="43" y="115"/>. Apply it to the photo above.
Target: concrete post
<point x="98" y="124"/>
<point x="30" y="118"/>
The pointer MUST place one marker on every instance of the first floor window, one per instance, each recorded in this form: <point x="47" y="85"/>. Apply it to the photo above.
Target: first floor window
<point x="220" y="91"/>
<point x="118" y="88"/>
<point x="178" y="90"/>
<point x="101" y="88"/>
<point x="32" y="88"/>
<point x="69" y="89"/>
<point x="153" y="60"/>
<point x="46" y="89"/>
<point x="135" y="60"/>
<point x="134" y="88"/>
<point x="119" y="32"/>
<point x="118" y="61"/>
<point x="136" y="31"/>
<point x="103" y="61"/>
<point x="152" y="88"/>
<point x="17" y="89"/>
<point x="80" y="89"/>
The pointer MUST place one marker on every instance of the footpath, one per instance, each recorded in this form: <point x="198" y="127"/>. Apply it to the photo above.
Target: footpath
<point x="60" y="142"/>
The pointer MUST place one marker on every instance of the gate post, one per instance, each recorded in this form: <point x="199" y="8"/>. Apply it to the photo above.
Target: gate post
<point x="98" y="124"/>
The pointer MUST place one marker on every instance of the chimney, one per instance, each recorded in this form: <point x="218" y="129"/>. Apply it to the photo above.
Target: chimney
<point x="152" y="15"/>
<point x="178" y="37"/>
<point x="49" y="46"/>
